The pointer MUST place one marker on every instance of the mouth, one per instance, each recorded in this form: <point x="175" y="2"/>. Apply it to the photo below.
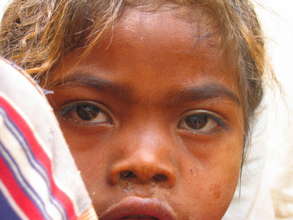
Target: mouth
<point x="141" y="217"/>
<point x="136" y="208"/>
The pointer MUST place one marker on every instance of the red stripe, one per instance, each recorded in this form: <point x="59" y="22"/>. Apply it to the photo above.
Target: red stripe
<point x="20" y="197"/>
<point x="40" y="155"/>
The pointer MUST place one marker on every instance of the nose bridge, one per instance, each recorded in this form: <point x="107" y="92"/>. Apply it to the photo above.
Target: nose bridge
<point x="148" y="157"/>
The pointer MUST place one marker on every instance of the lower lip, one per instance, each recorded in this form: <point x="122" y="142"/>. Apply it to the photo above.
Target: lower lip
<point x="140" y="218"/>
<point x="136" y="208"/>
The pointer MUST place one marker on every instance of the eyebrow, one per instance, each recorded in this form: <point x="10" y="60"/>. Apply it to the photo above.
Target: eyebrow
<point x="193" y="93"/>
<point x="97" y="83"/>
<point x="203" y="92"/>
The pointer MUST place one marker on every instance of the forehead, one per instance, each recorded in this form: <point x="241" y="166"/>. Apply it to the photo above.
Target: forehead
<point x="178" y="44"/>
<point x="178" y="30"/>
<point x="185" y="27"/>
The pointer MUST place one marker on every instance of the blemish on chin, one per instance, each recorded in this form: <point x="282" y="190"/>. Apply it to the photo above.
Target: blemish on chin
<point x="217" y="194"/>
<point x="216" y="191"/>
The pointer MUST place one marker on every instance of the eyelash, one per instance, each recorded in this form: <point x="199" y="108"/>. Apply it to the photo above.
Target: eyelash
<point x="69" y="111"/>
<point x="207" y="121"/>
<point x="210" y="117"/>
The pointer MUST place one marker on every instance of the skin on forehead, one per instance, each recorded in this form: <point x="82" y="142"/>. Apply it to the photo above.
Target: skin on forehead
<point x="198" y="25"/>
<point x="147" y="74"/>
<point x="136" y="29"/>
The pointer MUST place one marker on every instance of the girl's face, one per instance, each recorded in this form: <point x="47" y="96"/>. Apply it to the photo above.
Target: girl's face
<point x="153" y="118"/>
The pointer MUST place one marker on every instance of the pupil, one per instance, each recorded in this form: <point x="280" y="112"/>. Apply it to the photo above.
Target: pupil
<point x="196" y="121"/>
<point x="87" y="112"/>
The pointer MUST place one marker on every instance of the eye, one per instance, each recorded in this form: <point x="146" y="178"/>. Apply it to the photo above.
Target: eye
<point x="85" y="112"/>
<point x="202" y="122"/>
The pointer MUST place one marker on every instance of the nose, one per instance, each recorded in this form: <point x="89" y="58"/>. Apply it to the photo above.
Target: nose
<point x="147" y="159"/>
<point x="143" y="170"/>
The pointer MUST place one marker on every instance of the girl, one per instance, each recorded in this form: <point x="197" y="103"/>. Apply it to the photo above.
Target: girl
<point x="154" y="98"/>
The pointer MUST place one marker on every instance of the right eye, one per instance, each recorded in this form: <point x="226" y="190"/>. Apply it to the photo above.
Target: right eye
<point x="201" y="122"/>
<point x="85" y="112"/>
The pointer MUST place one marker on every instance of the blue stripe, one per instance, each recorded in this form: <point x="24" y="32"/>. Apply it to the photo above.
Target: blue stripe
<point x="19" y="178"/>
<point x="32" y="160"/>
<point x="24" y="145"/>
<point x="6" y="211"/>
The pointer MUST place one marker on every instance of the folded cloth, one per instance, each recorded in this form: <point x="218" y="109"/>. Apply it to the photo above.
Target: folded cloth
<point x="38" y="177"/>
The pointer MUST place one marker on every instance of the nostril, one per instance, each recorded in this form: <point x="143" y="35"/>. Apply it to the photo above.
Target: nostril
<point x="160" y="178"/>
<point x="142" y="172"/>
<point x="127" y="174"/>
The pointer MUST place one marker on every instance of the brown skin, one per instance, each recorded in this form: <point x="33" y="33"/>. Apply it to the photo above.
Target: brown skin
<point x="155" y="70"/>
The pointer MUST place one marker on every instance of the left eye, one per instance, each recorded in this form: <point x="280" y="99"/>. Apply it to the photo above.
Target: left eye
<point x="85" y="112"/>
<point x="201" y="122"/>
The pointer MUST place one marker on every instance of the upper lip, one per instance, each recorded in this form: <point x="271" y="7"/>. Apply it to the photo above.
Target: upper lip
<point x="136" y="207"/>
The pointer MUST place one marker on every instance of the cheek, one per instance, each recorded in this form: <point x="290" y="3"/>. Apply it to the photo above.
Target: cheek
<point x="90" y="157"/>
<point x="210" y="176"/>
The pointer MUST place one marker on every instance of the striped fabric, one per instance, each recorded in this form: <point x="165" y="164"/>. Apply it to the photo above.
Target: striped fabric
<point x="38" y="178"/>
